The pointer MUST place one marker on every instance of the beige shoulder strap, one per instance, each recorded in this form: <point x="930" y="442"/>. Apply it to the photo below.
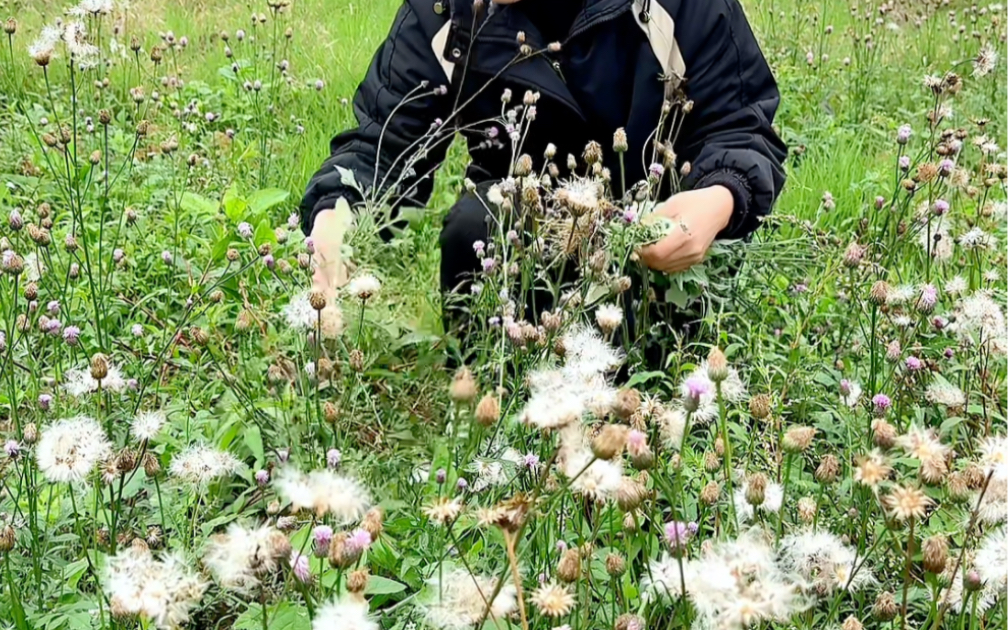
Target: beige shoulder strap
<point x="659" y="27"/>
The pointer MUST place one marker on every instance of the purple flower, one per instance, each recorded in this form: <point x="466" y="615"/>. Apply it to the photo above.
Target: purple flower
<point x="928" y="297"/>
<point x="300" y="567"/>
<point x="132" y="384"/>
<point x="166" y="257"/>
<point x="118" y="255"/>
<point x="945" y="167"/>
<point x="479" y="247"/>
<point x="939" y="322"/>
<point x="53" y="307"/>
<point x="903" y="134"/>
<point x="137" y="330"/>
<point x="630" y="215"/>
<point x="492" y="132"/>
<point x="913" y="364"/>
<point x="322" y="536"/>
<point x="476" y="288"/>
<point x="71" y="334"/>
<point x="54" y="326"/>
<point x="262" y="477"/>
<point x="461" y="484"/>
<point x="799" y="288"/>
<point x="845" y="387"/>
<point x="309" y="245"/>
<point x="904" y="163"/>
<point x="333" y="457"/>
<point x="12" y="448"/>
<point x="269" y="261"/>
<point x="44" y="402"/>
<point x="677" y="534"/>
<point x="656" y="170"/>
<point x="15" y="220"/>
<point x="940" y="207"/>
<point x="949" y="353"/>
<point x="358" y="540"/>
<point x="693" y="389"/>
<point x="561" y="546"/>
<point x="531" y="461"/>
<point x="882" y="403"/>
<point x="879" y="202"/>
<point x="489" y="263"/>
<point x="441" y="475"/>
<point x="512" y="237"/>
<point x="494" y="321"/>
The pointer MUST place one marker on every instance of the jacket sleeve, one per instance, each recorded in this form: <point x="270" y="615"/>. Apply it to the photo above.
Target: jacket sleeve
<point x="728" y="138"/>
<point x="401" y="99"/>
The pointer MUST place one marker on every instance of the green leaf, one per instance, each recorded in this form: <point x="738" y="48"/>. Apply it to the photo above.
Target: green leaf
<point x="197" y="205"/>
<point x="347" y="177"/>
<point x="253" y="439"/>
<point x="74" y="571"/>
<point x="262" y="200"/>
<point x="378" y="585"/>
<point x="283" y="616"/>
<point x="264" y="233"/>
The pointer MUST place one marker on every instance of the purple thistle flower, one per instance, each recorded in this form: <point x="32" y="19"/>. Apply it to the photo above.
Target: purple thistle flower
<point x="12" y="448"/>
<point x="512" y="236"/>
<point x="879" y="202"/>
<point x="54" y="326"/>
<point x="531" y="461"/>
<point x="489" y="263"/>
<point x="461" y="484"/>
<point x="300" y="567"/>
<point x="53" y="307"/>
<point x="656" y="170"/>
<point x="137" y="330"/>
<point x="494" y="321"/>
<point x="440" y="476"/>
<point x="913" y="364"/>
<point x="262" y="477"/>
<point x="904" y="162"/>
<point x="479" y="247"/>
<point x="244" y="230"/>
<point x="903" y="134"/>
<point x="269" y="261"/>
<point x="492" y="132"/>
<point x="845" y="387"/>
<point x="939" y="207"/>
<point x="333" y="457"/>
<point x="561" y="546"/>
<point x="132" y="384"/>
<point x="45" y="401"/>
<point x="166" y="257"/>
<point x="358" y="541"/>
<point x="882" y="403"/>
<point x="322" y="536"/>
<point x="945" y="167"/>
<point x="630" y="215"/>
<point x="71" y="335"/>
<point x="928" y="297"/>
<point x="949" y="353"/>
<point x="319" y="84"/>
<point x="309" y="245"/>
<point x="677" y="534"/>
<point x="118" y="255"/>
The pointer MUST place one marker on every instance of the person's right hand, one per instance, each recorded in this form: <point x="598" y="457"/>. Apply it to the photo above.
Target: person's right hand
<point x="327" y="237"/>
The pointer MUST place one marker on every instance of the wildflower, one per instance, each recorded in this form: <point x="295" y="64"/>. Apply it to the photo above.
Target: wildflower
<point x="300" y="314"/>
<point x="239" y="558"/>
<point x="850" y="393"/>
<point x="977" y="239"/>
<point x="941" y="392"/>
<point x="807" y="509"/>
<point x="824" y="562"/>
<point x="580" y="196"/>
<point x="993" y="457"/>
<point x="872" y="470"/>
<point x="828" y="469"/>
<point x="324" y="492"/>
<point x="662" y="580"/>
<point x="883" y="434"/>
<point x="903" y="134"/>
<point x="364" y="287"/>
<point x="731" y="389"/>
<point x="333" y="458"/>
<point x="678" y="534"/>
<point x="609" y="317"/>
<point x="751" y="496"/>
<point x="147" y="424"/>
<point x="164" y="591"/>
<point x="457" y="600"/>
<point x="198" y="465"/>
<point x="69" y="449"/>
<point x="444" y="511"/>
<point x="553" y="600"/>
<point x="991" y="562"/>
<point x="71" y="335"/>
<point x="12" y="449"/>
<point x="985" y="61"/>
<point x="938" y="242"/>
<point x="923" y="444"/>
<point x="593" y="478"/>
<point x="672" y="426"/>
<point x="610" y="441"/>
<point x="928" y="298"/>
<point x="881" y="403"/>
<point x="798" y="439"/>
<point x="905" y="502"/>
<point x="463" y="386"/>
<point x="245" y="230"/>
<point x="935" y="553"/>
<point x="346" y="612"/>
<point x="488" y="410"/>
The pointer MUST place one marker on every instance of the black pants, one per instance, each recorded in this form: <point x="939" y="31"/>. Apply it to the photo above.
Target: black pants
<point x="468" y="221"/>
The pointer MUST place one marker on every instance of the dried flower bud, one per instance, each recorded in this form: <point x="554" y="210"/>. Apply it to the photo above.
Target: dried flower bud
<point x="29" y="435"/>
<point x="463" y="386"/>
<point x="798" y="439"/>
<point x="615" y="565"/>
<point x="883" y="434"/>
<point x="879" y="292"/>
<point x="10" y="26"/>
<point x="373" y="522"/>
<point x="356" y="360"/>
<point x="317" y="299"/>
<point x="523" y="166"/>
<point x="755" y="489"/>
<point x="956" y="487"/>
<point x="935" y="553"/>
<point x="357" y="581"/>
<point x="609" y="442"/>
<point x="760" y="406"/>
<point x="885" y="607"/>
<point x="151" y="464"/>
<point x="717" y="365"/>
<point x="569" y="568"/>
<point x="852" y="623"/>
<point x="488" y="410"/>
<point x="330" y="412"/>
<point x="7" y="539"/>
<point x="99" y="366"/>
<point x="628" y="400"/>
<point x="828" y="470"/>
<point x="592" y="152"/>
<point x="711" y="461"/>
<point x="710" y="493"/>
<point x="719" y="446"/>
<point x="807" y="509"/>
<point x="31" y="291"/>
<point x="620" y="141"/>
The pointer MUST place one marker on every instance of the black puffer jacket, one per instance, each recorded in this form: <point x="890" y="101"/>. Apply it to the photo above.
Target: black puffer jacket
<point x="612" y="72"/>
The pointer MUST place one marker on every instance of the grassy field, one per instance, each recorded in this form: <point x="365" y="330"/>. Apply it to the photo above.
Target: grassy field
<point x="189" y="443"/>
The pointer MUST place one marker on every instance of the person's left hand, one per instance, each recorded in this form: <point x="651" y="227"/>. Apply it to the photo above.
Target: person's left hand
<point x="701" y="215"/>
